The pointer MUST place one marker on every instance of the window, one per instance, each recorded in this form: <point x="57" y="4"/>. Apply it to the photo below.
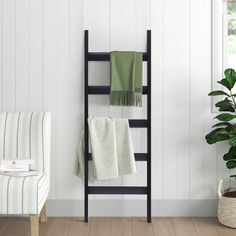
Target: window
<point x="229" y="35"/>
<point x="223" y="40"/>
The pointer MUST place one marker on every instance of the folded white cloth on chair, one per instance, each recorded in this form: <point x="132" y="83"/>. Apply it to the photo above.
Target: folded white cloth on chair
<point x="111" y="147"/>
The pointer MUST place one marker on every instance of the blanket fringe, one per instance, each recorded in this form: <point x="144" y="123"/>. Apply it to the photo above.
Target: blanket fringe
<point x="126" y="98"/>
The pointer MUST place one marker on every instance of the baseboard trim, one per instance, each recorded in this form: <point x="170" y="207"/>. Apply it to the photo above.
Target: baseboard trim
<point x="128" y="207"/>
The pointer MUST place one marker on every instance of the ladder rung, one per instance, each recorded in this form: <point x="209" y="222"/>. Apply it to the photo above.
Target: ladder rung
<point x="103" y="90"/>
<point x="116" y="190"/>
<point x="105" y="56"/>
<point x="138" y="123"/>
<point x="138" y="156"/>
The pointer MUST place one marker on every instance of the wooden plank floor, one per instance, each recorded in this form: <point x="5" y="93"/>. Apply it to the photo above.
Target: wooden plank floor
<point x="117" y="227"/>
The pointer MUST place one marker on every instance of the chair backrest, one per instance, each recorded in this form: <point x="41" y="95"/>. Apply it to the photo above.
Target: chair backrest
<point x="26" y="135"/>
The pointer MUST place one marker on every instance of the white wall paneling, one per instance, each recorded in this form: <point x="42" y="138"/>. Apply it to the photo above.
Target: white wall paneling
<point x="8" y="29"/>
<point x="63" y="81"/>
<point x="49" y="38"/>
<point x="75" y="91"/>
<point x="182" y="101"/>
<point x="200" y="112"/>
<point x="36" y="53"/>
<point x="1" y="46"/>
<point x="41" y="67"/>
<point x="157" y="10"/>
<point x="22" y="55"/>
<point x="170" y="83"/>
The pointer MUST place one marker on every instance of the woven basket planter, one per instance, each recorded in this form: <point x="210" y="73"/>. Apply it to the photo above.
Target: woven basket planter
<point x="226" y="206"/>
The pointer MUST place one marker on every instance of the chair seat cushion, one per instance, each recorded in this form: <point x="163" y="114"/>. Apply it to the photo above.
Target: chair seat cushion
<point x="23" y="195"/>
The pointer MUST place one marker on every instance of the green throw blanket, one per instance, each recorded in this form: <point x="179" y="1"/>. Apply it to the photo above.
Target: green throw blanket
<point x="126" y="79"/>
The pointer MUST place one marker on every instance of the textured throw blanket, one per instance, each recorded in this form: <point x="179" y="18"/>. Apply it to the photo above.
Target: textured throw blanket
<point x="126" y="79"/>
<point x="111" y="148"/>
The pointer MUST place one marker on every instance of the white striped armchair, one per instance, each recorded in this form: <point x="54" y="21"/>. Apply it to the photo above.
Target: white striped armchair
<point x="26" y="136"/>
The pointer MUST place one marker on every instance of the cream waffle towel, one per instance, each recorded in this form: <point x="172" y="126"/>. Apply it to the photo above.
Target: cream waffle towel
<point x="111" y="147"/>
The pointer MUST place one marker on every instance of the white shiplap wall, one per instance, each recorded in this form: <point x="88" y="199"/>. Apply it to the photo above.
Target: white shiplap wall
<point x="41" y="68"/>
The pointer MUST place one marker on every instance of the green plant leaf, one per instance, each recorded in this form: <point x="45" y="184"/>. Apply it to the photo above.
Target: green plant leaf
<point x="231" y="164"/>
<point x="231" y="129"/>
<point x="216" y="138"/>
<point x="222" y="124"/>
<point x="232" y="150"/>
<point x="230" y="155"/>
<point x="216" y="135"/>
<point x="218" y="93"/>
<point x="232" y="141"/>
<point x="225" y="105"/>
<point x="216" y="131"/>
<point x="225" y="83"/>
<point x="225" y="117"/>
<point x="230" y="76"/>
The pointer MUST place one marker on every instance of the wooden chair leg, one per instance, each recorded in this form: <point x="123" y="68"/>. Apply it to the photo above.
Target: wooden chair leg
<point x="34" y="225"/>
<point x="43" y="213"/>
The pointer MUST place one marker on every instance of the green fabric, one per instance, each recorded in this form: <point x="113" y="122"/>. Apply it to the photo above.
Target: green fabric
<point x="126" y="79"/>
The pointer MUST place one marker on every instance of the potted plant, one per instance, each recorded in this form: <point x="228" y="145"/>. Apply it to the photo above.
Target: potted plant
<point x="225" y="130"/>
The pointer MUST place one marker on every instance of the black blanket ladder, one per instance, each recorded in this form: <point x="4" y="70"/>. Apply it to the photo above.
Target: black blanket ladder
<point x="139" y="123"/>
